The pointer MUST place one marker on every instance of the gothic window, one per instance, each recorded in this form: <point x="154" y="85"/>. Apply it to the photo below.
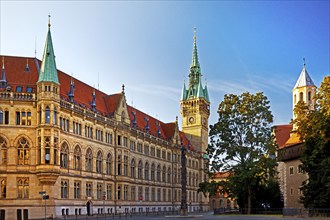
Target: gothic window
<point x="47" y="115"/>
<point x="99" y="191"/>
<point x="109" y="192"/>
<point x="64" y="189"/>
<point x="3" y="186"/>
<point x="99" y="159"/>
<point x="89" y="189"/>
<point x="169" y="175"/>
<point x="125" y="165"/>
<point x="3" y="151"/>
<point x="55" y="150"/>
<point x="64" y="155"/>
<point x="146" y="171"/>
<point x="133" y="168"/>
<point x="158" y="173"/>
<point x="89" y="159"/>
<point x="133" y="197"/>
<point x="164" y="174"/>
<point x="76" y="190"/>
<point x="4" y="117"/>
<point x="309" y="96"/>
<point x="174" y="176"/>
<point x="23" y="188"/>
<point x="108" y="164"/>
<point x="140" y="170"/>
<point x="23" y="152"/>
<point x="152" y="172"/>
<point x="295" y="98"/>
<point x="147" y="191"/>
<point x="77" y="158"/>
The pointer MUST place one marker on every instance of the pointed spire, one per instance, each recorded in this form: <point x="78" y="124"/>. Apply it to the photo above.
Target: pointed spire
<point x="184" y="92"/>
<point x="3" y="80"/>
<point x="48" y="71"/>
<point x="304" y="78"/>
<point x="195" y="54"/>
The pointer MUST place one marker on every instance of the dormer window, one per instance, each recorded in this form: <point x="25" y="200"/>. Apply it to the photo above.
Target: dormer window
<point x="18" y="88"/>
<point x="29" y="89"/>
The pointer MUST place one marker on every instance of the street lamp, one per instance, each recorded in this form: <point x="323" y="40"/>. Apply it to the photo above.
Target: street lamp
<point x="44" y="197"/>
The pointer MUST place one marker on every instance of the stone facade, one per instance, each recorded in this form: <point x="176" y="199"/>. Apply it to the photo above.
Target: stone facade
<point x="89" y="152"/>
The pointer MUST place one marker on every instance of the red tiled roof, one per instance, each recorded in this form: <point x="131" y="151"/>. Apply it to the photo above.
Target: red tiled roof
<point x="221" y="175"/>
<point x="282" y="134"/>
<point x="105" y="104"/>
<point x="293" y="140"/>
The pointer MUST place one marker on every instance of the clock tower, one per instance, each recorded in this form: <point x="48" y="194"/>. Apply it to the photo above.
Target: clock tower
<point x="195" y="106"/>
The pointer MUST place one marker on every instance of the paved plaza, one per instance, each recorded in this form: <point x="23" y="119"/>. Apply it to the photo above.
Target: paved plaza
<point x="197" y="216"/>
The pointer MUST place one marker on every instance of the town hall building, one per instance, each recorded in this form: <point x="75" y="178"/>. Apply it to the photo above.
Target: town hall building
<point x="67" y="148"/>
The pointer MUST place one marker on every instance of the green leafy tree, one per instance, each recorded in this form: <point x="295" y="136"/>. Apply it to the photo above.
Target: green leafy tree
<point x="241" y="142"/>
<point x="313" y="127"/>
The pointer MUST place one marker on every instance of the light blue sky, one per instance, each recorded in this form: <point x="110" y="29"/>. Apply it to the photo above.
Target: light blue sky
<point x="147" y="45"/>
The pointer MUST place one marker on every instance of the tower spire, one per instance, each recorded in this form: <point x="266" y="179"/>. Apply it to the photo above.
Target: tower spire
<point x="48" y="71"/>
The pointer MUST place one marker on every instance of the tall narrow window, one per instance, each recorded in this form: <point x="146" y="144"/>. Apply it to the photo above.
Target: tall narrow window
<point x="133" y="168"/>
<point x="158" y="173"/>
<point x="301" y="96"/>
<point x="76" y="188"/>
<point x="164" y="175"/>
<point x="47" y="115"/>
<point x="64" y="155"/>
<point x="140" y="170"/>
<point x="108" y="164"/>
<point x="146" y="171"/>
<point x="23" y="188"/>
<point x="119" y="165"/>
<point x="125" y="165"/>
<point x="55" y="116"/>
<point x="23" y="152"/>
<point x="89" y="189"/>
<point x="1" y="117"/>
<point x="152" y="172"/>
<point x="169" y="175"/>
<point x="99" y="188"/>
<point x="99" y="159"/>
<point x="18" y="118"/>
<point x="3" y="151"/>
<point x="77" y="158"/>
<point x="3" y="186"/>
<point x="89" y="158"/>
<point x="64" y="189"/>
<point x="309" y="96"/>
<point x="47" y="150"/>
<point x="109" y="192"/>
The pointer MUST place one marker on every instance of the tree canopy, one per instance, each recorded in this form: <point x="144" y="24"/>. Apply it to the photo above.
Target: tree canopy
<point x="241" y="142"/>
<point x="313" y="127"/>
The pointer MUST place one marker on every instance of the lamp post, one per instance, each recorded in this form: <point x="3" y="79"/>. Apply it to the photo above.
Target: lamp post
<point x="183" y="181"/>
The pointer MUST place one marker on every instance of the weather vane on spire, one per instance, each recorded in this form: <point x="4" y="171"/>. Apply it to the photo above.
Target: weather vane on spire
<point x="195" y="33"/>
<point x="304" y="61"/>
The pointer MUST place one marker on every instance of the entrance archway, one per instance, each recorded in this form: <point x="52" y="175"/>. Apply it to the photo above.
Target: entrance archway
<point x="89" y="208"/>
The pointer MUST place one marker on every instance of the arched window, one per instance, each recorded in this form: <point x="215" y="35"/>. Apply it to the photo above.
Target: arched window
<point x="133" y="168"/>
<point x="220" y="203"/>
<point x="3" y="151"/>
<point x="47" y="115"/>
<point x="146" y="171"/>
<point x="64" y="155"/>
<point x="23" y="152"/>
<point x="309" y="96"/>
<point x="301" y="96"/>
<point x="295" y="99"/>
<point x="164" y="174"/>
<point x="99" y="159"/>
<point x="108" y="164"/>
<point x="189" y="179"/>
<point x="175" y="180"/>
<point x="23" y="188"/>
<point x="152" y="172"/>
<point x="158" y="173"/>
<point x="169" y="175"/>
<point x="77" y="158"/>
<point x="88" y="160"/>
<point x="140" y="170"/>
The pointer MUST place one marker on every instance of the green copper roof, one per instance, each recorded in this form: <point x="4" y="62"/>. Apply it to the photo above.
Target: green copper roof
<point x="195" y="89"/>
<point x="48" y="71"/>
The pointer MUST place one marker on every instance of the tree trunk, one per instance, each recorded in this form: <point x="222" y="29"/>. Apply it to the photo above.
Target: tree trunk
<point x="249" y="200"/>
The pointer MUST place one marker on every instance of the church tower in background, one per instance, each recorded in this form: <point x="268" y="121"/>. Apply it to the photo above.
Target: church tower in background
<point x="195" y="105"/>
<point x="304" y="90"/>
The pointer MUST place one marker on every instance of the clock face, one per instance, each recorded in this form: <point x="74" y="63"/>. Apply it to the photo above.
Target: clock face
<point x="191" y="119"/>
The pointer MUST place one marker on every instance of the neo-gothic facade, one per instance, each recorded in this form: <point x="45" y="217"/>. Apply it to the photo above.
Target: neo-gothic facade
<point x="91" y="152"/>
